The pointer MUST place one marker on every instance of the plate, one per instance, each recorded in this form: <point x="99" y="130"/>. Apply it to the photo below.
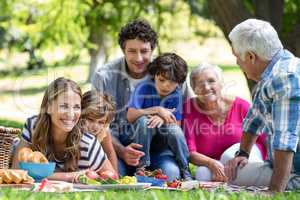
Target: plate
<point x="137" y="186"/>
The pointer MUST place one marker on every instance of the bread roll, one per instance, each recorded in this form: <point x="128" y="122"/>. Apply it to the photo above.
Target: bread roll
<point x="6" y="177"/>
<point x="10" y="176"/>
<point x="37" y="157"/>
<point x="28" y="179"/>
<point x="24" y="154"/>
<point x="15" y="176"/>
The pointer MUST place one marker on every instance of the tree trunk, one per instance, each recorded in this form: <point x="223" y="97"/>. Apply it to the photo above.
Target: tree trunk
<point x="227" y="13"/>
<point x="97" y="53"/>
<point x="226" y="16"/>
<point x="292" y="42"/>
<point x="270" y="10"/>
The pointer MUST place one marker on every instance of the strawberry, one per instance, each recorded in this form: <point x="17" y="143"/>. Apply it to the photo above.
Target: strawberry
<point x="174" y="184"/>
<point x="161" y="176"/>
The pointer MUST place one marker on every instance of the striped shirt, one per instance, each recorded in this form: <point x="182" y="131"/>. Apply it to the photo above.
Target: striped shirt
<point x="92" y="155"/>
<point x="276" y="103"/>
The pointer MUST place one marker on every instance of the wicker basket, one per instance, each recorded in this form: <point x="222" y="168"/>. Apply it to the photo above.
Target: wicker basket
<point x="7" y="136"/>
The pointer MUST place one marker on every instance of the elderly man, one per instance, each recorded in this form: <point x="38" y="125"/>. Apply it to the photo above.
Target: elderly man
<point x="275" y="109"/>
<point x="137" y="40"/>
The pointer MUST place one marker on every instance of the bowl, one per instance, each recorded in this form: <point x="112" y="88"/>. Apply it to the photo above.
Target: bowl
<point x="153" y="181"/>
<point x="38" y="171"/>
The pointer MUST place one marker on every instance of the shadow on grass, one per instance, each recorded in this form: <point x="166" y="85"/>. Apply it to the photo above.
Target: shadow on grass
<point x="31" y="90"/>
<point x="10" y="123"/>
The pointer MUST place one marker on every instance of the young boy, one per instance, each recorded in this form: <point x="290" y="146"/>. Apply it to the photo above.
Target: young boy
<point x="155" y="108"/>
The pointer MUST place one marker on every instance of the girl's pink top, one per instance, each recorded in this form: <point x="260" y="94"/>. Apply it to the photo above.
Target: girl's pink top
<point x="210" y="139"/>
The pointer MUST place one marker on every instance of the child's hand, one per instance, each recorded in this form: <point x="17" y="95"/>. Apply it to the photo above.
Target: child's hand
<point x="155" y="121"/>
<point x="167" y="115"/>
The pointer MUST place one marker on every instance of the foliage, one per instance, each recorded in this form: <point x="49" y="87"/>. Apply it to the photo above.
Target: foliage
<point x="291" y="15"/>
<point x="34" y="26"/>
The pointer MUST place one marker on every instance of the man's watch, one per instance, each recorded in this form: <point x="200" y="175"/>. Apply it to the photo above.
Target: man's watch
<point x="241" y="153"/>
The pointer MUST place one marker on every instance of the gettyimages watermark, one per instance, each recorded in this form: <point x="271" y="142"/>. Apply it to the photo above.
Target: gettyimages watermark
<point x="27" y="98"/>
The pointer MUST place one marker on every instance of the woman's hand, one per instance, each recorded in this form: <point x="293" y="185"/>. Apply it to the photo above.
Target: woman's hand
<point x="155" y="121"/>
<point x="218" y="171"/>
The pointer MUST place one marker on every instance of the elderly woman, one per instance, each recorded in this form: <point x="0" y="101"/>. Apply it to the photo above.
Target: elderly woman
<point x="213" y="125"/>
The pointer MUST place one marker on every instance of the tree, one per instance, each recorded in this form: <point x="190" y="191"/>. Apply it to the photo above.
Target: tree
<point x="283" y="15"/>
<point x="79" y="24"/>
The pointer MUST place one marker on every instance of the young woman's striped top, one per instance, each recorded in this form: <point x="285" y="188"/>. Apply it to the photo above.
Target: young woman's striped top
<point x="92" y="155"/>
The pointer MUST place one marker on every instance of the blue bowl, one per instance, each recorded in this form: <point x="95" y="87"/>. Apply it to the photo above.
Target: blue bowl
<point x="153" y="181"/>
<point x="38" y="171"/>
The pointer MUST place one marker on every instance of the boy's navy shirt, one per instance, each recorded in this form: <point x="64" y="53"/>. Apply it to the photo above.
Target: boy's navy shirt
<point x="145" y="96"/>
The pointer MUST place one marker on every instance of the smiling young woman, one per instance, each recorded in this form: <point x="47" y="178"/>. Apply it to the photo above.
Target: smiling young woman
<point x="55" y="132"/>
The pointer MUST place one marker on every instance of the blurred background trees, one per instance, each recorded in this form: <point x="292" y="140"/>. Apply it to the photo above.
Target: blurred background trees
<point x="284" y="15"/>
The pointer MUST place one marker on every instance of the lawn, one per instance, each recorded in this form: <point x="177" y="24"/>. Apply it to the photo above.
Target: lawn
<point x="8" y="194"/>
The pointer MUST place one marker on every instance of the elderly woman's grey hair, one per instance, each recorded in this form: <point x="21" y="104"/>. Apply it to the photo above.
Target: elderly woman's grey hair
<point x="257" y="36"/>
<point x="205" y="66"/>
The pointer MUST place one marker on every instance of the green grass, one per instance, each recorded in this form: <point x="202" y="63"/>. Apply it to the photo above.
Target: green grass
<point x="7" y="194"/>
<point x="11" y="123"/>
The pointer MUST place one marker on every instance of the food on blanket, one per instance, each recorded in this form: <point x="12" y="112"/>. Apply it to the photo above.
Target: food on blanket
<point x="16" y="177"/>
<point x="158" y="174"/>
<point x="28" y="179"/>
<point x="37" y="157"/>
<point x="92" y="174"/>
<point x="174" y="184"/>
<point x="10" y="176"/>
<point x="84" y="179"/>
<point x="6" y="177"/>
<point x="107" y="174"/>
<point x="127" y="180"/>
<point x="27" y="155"/>
<point x="53" y="186"/>
<point x="24" y="154"/>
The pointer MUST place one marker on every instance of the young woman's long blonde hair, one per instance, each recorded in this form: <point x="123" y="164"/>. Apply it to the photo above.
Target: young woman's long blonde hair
<point x="96" y="105"/>
<point x="42" y="138"/>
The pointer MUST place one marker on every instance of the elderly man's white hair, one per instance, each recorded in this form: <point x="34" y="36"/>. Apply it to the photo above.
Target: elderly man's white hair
<point x="257" y="36"/>
<point x="204" y="66"/>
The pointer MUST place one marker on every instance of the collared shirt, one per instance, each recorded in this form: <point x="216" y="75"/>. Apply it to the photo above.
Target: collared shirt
<point x="276" y="103"/>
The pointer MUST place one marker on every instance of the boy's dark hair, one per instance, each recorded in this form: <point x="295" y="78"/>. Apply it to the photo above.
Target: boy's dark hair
<point x="138" y="29"/>
<point x="170" y="66"/>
